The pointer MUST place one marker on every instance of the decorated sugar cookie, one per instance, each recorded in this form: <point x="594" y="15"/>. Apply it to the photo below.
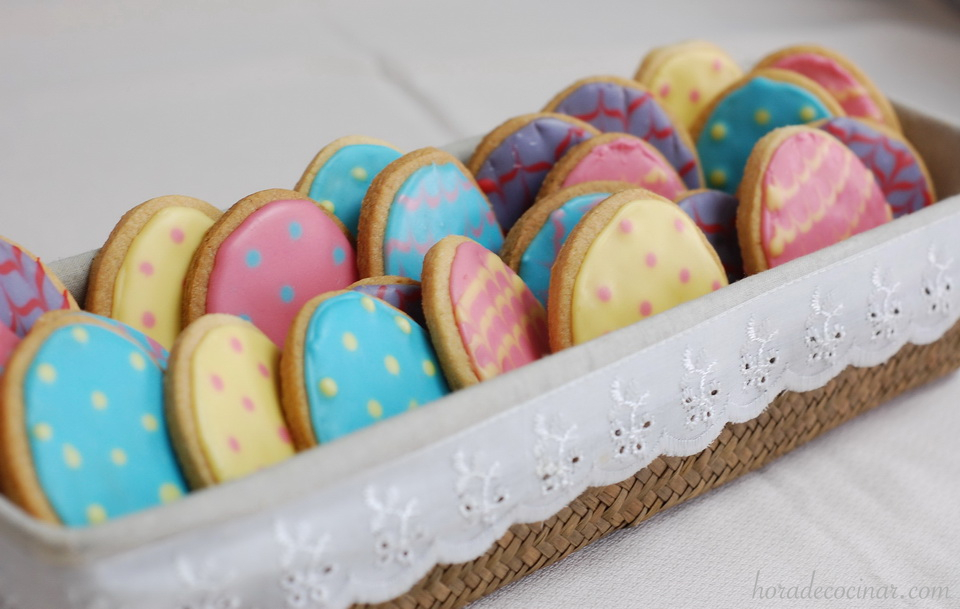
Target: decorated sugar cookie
<point x="354" y="360"/>
<point x="685" y="77"/>
<point x="483" y="319"/>
<point x="340" y="174"/>
<point x="755" y="105"/>
<point x="802" y="191"/>
<point x="634" y="255"/>
<point x="157" y="352"/>
<point x="223" y="401"/>
<point x="535" y="240"/>
<point x="414" y="203"/>
<point x="715" y="213"/>
<point x="400" y="292"/>
<point x="137" y="277"/>
<point x="618" y="105"/>
<point x="847" y="83"/>
<point x="617" y="157"/>
<point x="83" y="437"/>
<point x="265" y="257"/>
<point x="513" y="159"/>
<point x="896" y="165"/>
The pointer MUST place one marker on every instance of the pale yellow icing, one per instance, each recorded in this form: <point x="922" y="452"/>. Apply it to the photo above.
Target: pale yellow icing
<point x="688" y="81"/>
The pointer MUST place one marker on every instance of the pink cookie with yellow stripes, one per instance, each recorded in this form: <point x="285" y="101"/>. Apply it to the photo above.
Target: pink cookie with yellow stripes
<point x="483" y="320"/>
<point x="803" y="190"/>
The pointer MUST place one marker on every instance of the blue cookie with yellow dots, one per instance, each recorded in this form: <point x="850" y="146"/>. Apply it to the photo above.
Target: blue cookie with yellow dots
<point x="83" y="437"/>
<point x="340" y="174"/>
<point x="726" y="131"/>
<point x="352" y="360"/>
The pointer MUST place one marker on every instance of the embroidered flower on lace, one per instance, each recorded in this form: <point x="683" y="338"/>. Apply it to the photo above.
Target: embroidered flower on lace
<point x="480" y="493"/>
<point x="629" y="422"/>
<point x="937" y="284"/>
<point x="824" y="333"/>
<point x="395" y="530"/>
<point x="556" y="455"/>
<point x="700" y="391"/>
<point x="306" y="575"/>
<point x="759" y="360"/>
<point x="209" y="586"/>
<point x="884" y="308"/>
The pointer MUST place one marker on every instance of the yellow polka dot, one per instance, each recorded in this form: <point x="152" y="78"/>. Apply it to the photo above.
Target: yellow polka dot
<point x="375" y="409"/>
<point x="169" y="492"/>
<point x="72" y="456"/>
<point x="118" y="456"/>
<point x="42" y="431"/>
<point x="761" y="116"/>
<point x="359" y="173"/>
<point x="137" y="361"/>
<point x="393" y="366"/>
<point x="428" y="368"/>
<point x="327" y="205"/>
<point x="80" y="335"/>
<point x="367" y="303"/>
<point x="47" y="373"/>
<point x="718" y="131"/>
<point x="403" y="323"/>
<point x="98" y="399"/>
<point x="328" y="387"/>
<point x="349" y="341"/>
<point x="149" y="422"/>
<point x="807" y="114"/>
<point x="96" y="514"/>
<point x="412" y="404"/>
<point x="718" y="177"/>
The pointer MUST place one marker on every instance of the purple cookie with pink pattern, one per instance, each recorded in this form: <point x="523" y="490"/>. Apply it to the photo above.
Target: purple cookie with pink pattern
<point x="401" y="292"/>
<point x="513" y="159"/>
<point x="613" y="104"/>
<point x="715" y="213"/>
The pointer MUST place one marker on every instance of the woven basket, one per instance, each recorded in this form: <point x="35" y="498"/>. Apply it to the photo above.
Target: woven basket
<point x="791" y="420"/>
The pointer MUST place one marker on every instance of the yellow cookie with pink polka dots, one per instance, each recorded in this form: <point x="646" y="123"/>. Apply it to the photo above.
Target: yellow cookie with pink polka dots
<point x="634" y="255"/>
<point x="223" y="401"/>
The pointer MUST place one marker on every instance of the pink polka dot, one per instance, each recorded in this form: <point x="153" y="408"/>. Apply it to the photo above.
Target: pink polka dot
<point x="717" y="64"/>
<point x="176" y="234"/>
<point x="684" y="275"/>
<point x="695" y="95"/>
<point x="216" y="381"/>
<point x="148" y="319"/>
<point x="264" y="371"/>
<point x="235" y="344"/>
<point x="284" y="434"/>
<point x="665" y="90"/>
<point x="716" y="285"/>
<point x="248" y="404"/>
<point x="604" y="293"/>
<point x="651" y="259"/>
<point x="626" y="226"/>
<point x="679" y="225"/>
<point x="646" y="308"/>
<point x="146" y="268"/>
<point x="234" y="444"/>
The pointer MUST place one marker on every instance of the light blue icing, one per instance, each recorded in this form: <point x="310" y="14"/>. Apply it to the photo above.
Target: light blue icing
<point x="338" y="182"/>
<point x="537" y="261"/>
<point x="157" y="351"/>
<point x="349" y="343"/>
<point x="435" y="201"/>
<point x="93" y="404"/>
<point x="779" y="104"/>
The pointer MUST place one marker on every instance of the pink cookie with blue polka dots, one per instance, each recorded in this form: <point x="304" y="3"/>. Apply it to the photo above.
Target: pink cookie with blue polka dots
<point x="265" y="257"/>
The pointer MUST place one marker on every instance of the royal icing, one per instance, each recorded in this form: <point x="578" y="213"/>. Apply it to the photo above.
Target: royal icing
<point x="744" y="116"/>
<point x="157" y="352"/>
<point x="815" y="193"/>
<point x="627" y="159"/>
<point x="343" y="180"/>
<point x="435" y="201"/>
<point x="852" y="95"/>
<point x="715" y="213"/>
<point x="895" y="166"/>
<point x="513" y="172"/>
<point x="648" y="258"/>
<point x="279" y="257"/>
<point x="537" y="260"/>
<point x="236" y="401"/>
<point x="94" y="416"/>
<point x="148" y="290"/>
<point x="404" y="296"/>
<point x="689" y="80"/>
<point x="613" y="107"/>
<point x="501" y="323"/>
<point x="26" y="290"/>
<point x="365" y="361"/>
<point x="8" y="342"/>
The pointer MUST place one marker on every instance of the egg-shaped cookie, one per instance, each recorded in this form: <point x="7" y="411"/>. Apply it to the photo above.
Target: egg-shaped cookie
<point x="339" y="176"/>
<point x="137" y="276"/>
<point x="352" y="360"/>
<point x="483" y="320"/>
<point x="715" y="213"/>
<point x="223" y="401"/>
<point x="634" y="255"/>
<point x="265" y="257"/>
<point x="83" y="437"/>
<point x="400" y="292"/>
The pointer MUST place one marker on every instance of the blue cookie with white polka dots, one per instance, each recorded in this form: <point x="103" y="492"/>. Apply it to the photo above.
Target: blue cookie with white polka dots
<point x="83" y="436"/>
<point x="352" y="360"/>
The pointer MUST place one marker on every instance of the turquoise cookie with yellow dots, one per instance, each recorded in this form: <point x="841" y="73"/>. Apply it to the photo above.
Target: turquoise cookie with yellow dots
<point x="351" y="360"/>
<point x="83" y="438"/>
<point x="726" y="131"/>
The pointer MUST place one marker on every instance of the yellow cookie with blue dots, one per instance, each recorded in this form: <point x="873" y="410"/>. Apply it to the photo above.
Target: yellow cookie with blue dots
<point x="352" y="360"/>
<point x="83" y="438"/>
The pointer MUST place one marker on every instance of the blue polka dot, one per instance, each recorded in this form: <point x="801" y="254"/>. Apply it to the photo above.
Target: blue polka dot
<point x="339" y="255"/>
<point x="254" y="258"/>
<point x="245" y="317"/>
<point x="296" y="230"/>
<point x="286" y="293"/>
